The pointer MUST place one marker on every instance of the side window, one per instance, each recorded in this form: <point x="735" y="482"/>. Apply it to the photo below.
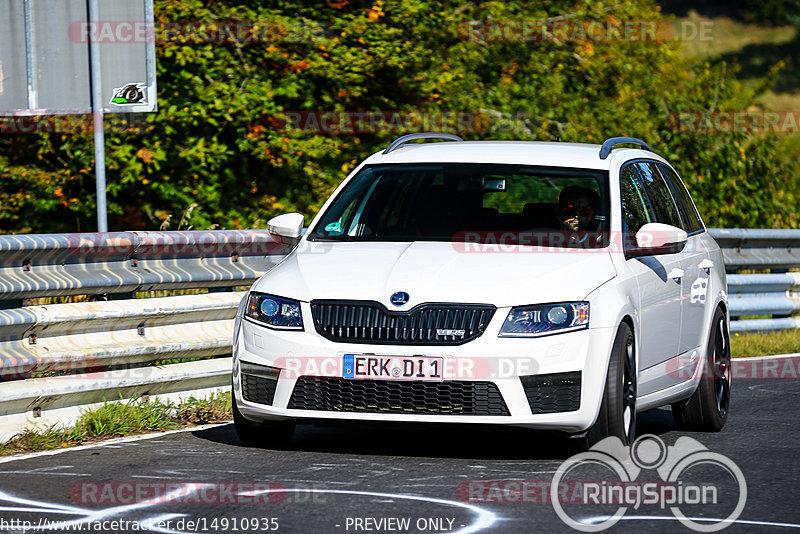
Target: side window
<point x="691" y="218"/>
<point x="636" y="211"/>
<point x="659" y="194"/>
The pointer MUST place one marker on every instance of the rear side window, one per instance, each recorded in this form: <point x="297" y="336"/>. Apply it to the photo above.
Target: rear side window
<point x="691" y="219"/>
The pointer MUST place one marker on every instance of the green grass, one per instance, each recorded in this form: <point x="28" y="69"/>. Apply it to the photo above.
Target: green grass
<point x="202" y="411"/>
<point x="783" y="102"/>
<point x="756" y="49"/>
<point x="729" y="36"/>
<point x="38" y="440"/>
<point x="785" y="342"/>
<point x="122" y="419"/>
<point x="116" y="419"/>
<point x="71" y="299"/>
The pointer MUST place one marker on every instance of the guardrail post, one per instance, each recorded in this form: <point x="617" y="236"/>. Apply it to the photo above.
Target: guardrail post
<point x="221" y="289"/>
<point x="120" y="296"/>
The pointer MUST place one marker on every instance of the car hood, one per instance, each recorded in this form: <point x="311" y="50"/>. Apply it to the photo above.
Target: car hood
<point x="436" y="272"/>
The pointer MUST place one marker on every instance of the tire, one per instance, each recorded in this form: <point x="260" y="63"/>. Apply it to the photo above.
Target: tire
<point x="617" y="415"/>
<point x="264" y="433"/>
<point x="707" y="409"/>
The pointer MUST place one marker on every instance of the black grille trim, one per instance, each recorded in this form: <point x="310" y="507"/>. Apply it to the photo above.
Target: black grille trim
<point x="370" y="322"/>
<point x="555" y="393"/>
<point x="419" y="397"/>
<point x="258" y="389"/>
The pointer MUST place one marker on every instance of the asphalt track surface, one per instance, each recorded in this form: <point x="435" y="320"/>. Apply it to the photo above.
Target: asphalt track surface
<point x="395" y="479"/>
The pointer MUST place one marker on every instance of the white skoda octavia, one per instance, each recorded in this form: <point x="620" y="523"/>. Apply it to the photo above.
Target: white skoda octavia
<point x="551" y="286"/>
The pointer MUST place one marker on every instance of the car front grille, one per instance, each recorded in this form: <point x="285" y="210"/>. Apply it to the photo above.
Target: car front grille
<point x="258" y="389"/>
<point x="426" y="324"/>
<point x="554" y="393"/>
<point x="401" y="397"/>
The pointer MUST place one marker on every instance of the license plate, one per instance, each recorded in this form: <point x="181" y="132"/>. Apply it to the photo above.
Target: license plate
<point x="371" y="366"/>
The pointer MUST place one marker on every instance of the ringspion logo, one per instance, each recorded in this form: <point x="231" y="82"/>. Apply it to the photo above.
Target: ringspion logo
<point x="694" y="482"/>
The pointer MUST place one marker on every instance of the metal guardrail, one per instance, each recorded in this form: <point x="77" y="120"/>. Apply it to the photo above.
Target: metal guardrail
<point x="59" y="359"/>
<point x="44" y="402"/>
<point x="745" y="248"/>
<point x="86" y="336"/>
<point x="125" y="262"/>
<point x="776" y="294"/>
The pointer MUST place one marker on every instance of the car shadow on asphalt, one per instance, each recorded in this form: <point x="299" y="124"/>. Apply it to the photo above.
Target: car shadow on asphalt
<point x="434" y="440"/>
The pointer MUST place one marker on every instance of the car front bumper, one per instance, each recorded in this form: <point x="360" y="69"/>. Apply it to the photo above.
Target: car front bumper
<point x="489" y="359"/>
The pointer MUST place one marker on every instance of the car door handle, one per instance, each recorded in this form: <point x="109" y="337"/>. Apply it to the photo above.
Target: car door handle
<point x="676" y="274"/>
<point x="706" y="265"/>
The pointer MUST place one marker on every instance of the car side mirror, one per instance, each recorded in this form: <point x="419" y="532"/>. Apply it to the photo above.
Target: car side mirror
<point x="287" y="225"/>
<point x="654" y="239"/>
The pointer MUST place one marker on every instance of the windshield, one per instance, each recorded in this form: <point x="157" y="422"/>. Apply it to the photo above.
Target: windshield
<point x="459" y="201"/>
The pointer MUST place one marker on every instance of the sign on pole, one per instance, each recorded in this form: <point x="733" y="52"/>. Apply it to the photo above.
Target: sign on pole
<point x="62" y="57"/>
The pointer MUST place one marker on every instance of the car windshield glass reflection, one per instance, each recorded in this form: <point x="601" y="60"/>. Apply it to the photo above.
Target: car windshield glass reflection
<point x="470" y="202"/>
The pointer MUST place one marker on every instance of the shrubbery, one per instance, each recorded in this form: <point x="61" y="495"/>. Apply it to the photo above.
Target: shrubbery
<point x="217" y="142"/>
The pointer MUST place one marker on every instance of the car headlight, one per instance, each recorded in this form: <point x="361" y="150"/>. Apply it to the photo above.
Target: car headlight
<point x="544" y="319"/>
<point x="276" y="312"/>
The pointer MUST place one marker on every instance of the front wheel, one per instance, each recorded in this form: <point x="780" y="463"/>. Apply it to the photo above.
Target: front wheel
<point x="264" y="433"/>
<point x="617" y="415"/>
<point x="707" y="409"/>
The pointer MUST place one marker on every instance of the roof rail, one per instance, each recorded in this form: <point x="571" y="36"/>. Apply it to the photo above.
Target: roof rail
<point x="611" y="142"/>
<point x="400" y="141"/>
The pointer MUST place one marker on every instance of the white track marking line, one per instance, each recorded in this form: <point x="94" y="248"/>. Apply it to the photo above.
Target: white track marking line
<point x="761" y="358"/>
<point x="599" y="519"/>
<point x="484" y="519"/>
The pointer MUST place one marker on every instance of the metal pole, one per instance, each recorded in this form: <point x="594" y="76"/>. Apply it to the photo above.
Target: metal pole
<point x="99" y="135"/>
<point x="150" y="53"/>
<point x="32" y="103"/>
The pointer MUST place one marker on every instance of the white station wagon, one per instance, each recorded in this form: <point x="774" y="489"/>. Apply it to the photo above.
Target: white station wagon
<point x="551" y="286"/>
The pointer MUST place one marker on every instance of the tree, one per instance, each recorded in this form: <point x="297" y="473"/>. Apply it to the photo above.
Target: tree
<point x="220" y="146"/>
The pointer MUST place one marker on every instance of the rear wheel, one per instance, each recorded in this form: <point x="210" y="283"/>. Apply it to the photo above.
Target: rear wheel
<point x="617" y="415"/>
<point x="707" y="409"/>
<point x="266" y="433"/>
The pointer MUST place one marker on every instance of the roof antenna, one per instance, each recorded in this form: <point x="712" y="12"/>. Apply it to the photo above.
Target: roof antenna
<point x="558" y="139"/>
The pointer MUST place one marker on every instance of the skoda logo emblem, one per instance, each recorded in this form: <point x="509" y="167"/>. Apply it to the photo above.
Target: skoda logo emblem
<point x="399" y="298"/>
